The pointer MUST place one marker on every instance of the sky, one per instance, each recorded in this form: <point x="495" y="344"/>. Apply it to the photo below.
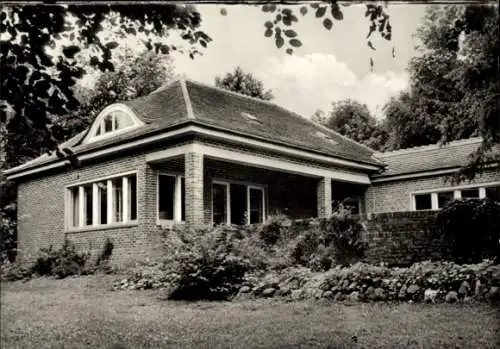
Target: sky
<point x="330" y="66"/>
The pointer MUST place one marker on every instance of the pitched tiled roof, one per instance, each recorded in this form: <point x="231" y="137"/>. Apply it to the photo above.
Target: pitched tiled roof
<point x="185" y="100"/>
<point x="428" y="158"/>
<point x="224" y="109"/>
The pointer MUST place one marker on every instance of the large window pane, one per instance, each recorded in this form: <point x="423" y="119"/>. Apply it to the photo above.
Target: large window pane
<point x="166" y="190"/>
<point x="238" y="204"/>
<point x="493" y="193"/>
<point x="118" y="199"/>
<point x="87" y="209"/>
<point x="75" y="207"/>
<point x="122" y="120"/>
<point x="423" y="202"/>
<point x="256" y="205"/>
<point x="444" y="197"/>
<point x="219" y="203"/>
<point x="132" y="197"/>
<point x="108" y="123"/>
<point x="102" y="195"/>
<point x="470" y="193"/>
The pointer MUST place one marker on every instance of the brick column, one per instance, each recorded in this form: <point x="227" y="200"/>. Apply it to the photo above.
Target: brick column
<point x="324" y="197"/>
<point x="193" y="174"/>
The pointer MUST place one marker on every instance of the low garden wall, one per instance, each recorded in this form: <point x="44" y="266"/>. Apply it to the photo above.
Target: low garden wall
<point x="403" y="238"/>
<point x="396" y="238"/>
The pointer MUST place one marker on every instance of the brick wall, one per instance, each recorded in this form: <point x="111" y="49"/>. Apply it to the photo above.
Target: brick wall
<point x="395" y="196"/>
<point x="41" y="218"/>
<point x="401" y="238"/>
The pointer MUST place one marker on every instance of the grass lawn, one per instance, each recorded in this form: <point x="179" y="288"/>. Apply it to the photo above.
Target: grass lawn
<point x="83" y="313"/>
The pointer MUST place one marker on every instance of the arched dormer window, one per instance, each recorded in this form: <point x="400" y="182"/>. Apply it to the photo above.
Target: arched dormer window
<point x="116" y="118"/>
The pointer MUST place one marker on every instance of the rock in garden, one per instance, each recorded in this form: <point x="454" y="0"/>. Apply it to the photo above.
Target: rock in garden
<point x="327" y="294"/>
<point x="430" y="295"/>
<point x="478" y="290"/>
<point x="379" y="294"/>
<point x="402" y="292"/>
<point x="245" y="289"/>
<point x="354" y="296"/>
<point x="338" y="296"/>
<point x="268" y="292"/>
<point x="282" y="292"/>
<point x="464" y="289"/>
<point x="412" y="290"/>
<point x="370" y="293"/>
<point x="296" y="294"/>
<point x="451" y="297"/>
<point x="493" y="294"/>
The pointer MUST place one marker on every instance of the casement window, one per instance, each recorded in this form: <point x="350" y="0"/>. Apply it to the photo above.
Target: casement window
<point x="101" y="203"/>
<point x="171" y="202"/>
<point x="435" y="200"/>
<point x="238" y="204"/>
<point x="423" y="202"/>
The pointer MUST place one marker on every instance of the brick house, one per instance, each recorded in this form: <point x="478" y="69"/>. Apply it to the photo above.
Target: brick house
<point x="195" y="154"/>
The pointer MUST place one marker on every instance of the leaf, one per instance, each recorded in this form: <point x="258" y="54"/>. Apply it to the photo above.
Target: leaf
<point x="327" y="23"/>
<point x="337" y="12"/>
<point x="370" y="45"/>
<point x="289" y="51"/>
<point x="223" y="11"/>
<point x="295" y="42"/>
<point x="315" y="5"/>
<point x="320" y="12"/>
<point x="268" y="33"/>
<point x="112" y="45"/>
<point x="303" y="10"/>
<point x="279" y="41"/>
<point x="373" y="27"/>
<point x="70" y="51"/>
<point x="131" y="31"/>
<point x="290" y="33"/>
<point x="268" y="24"/>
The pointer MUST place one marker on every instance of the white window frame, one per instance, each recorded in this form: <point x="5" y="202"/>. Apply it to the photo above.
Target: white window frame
<point x="68" y="206"/>
<point x="177" y="199"/>
<point x="99" y="121"/>
<point x="457" y="193"/>
<point x="248" y="185"/>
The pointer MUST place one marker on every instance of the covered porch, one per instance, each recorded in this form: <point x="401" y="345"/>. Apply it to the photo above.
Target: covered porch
<point x="202" y="184"/>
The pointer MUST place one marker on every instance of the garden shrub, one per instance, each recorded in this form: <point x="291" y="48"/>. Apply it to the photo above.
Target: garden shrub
<point x="208" y="268"/>
<point x="273" y="229"/>
<point x="472" y="229"/>
<point x="344" y="233"/>
<point x="61" y="263"/>
<point x="14" y="271"/>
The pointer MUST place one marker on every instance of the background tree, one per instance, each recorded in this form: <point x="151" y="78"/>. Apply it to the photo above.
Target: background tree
<point x="244" y="83"/>
<point x="135" y="75"/>
<point x="353" y="119"/>
<point x="37" y="85"/>
<point x="454" y="88"/>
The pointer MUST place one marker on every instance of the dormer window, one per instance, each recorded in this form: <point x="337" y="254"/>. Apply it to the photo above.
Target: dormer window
<point x="116" y="118"/>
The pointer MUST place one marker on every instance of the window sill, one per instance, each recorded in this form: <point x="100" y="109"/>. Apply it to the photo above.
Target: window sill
<point x="169" y="223"/>
<point x="101" y="227"/>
